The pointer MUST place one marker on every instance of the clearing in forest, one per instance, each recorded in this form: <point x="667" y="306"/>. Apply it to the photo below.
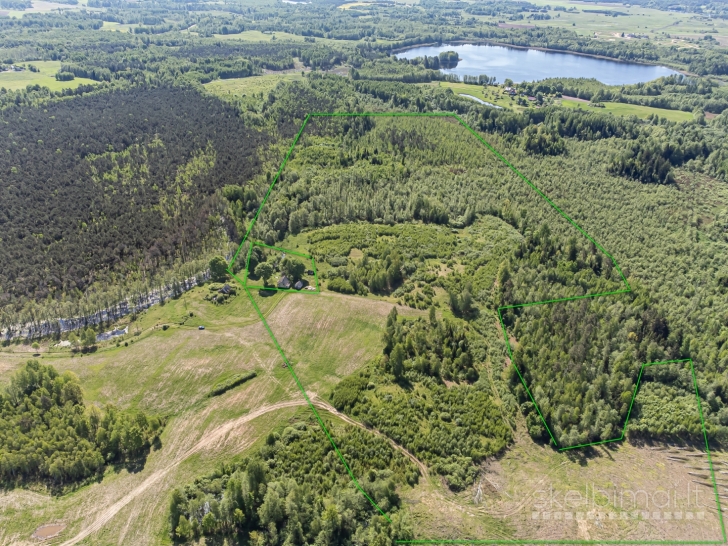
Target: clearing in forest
<point x="587" y="288"/>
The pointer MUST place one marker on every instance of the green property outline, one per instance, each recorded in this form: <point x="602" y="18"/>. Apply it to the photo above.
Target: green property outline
<point x="276" y="289"/>
<point x="505" y="335"/>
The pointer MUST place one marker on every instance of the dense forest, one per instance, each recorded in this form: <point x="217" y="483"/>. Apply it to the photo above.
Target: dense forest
<point x="49" y="436"/>
<point x="531" y="254"/>
<point x="117" y="181"/>
<point x="295" y="490"/>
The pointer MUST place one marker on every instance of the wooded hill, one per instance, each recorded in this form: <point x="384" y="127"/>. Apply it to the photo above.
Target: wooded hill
<point x="104" y="183"/>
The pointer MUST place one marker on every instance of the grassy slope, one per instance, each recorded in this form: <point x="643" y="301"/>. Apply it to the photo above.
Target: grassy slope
<point x="46" y="77"/>
<point x="621" y="109"/>
<point x="172" y="371"/>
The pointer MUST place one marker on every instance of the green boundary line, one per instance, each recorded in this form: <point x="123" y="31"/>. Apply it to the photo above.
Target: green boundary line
<point x="710" y="464"/>
<point x="628" y="289"/>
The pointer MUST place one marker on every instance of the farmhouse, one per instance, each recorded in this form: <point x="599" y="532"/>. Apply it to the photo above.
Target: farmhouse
<point x="284" y="282"/>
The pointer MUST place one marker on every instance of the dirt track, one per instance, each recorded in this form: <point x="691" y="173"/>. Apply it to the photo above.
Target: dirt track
<point x="209" y="441"/>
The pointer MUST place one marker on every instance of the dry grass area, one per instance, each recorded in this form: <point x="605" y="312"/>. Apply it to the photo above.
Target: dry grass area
<point x="171" y="372"/>
<point x="329" y="335"/>
<point x="621" y="491"/>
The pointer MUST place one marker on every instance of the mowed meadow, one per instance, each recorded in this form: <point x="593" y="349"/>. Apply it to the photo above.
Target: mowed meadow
<point x="170" y="372"/>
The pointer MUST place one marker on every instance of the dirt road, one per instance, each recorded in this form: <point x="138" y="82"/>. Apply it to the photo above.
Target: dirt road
<point x="208" y="441"/>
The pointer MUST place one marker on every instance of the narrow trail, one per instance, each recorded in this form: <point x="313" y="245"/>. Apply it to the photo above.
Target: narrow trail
<point x="217" y="435"/>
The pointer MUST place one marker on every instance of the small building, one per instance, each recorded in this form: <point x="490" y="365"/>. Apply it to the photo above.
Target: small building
<point x="284" y="283"/>
<point x="509" y="90"/>
<point x="531" y="98"/>
<point x="309" y="272"/>
<point x="298" y="285"/>
<point x="225" y="289"/>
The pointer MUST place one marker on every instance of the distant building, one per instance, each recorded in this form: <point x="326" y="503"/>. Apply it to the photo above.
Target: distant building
<point x="298" y="285"/>
<point x="309" y="272"/>
<point x="225" y="289"/>
<point x="113" y="333"/>
<point x="284" y="282"/>
<point x="509" y="90"/>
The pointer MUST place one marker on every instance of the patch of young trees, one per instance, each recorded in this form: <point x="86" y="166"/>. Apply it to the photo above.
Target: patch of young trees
<point x="48" y="434"/>
<point x="452" y="429"/>
<point x="295" y="490"/>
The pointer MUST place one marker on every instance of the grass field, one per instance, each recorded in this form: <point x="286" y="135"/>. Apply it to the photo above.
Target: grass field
<point x="171" y="372"/>
<point x="117" y="27"/>
<point x="46" y="77"/>
<point x="258" y="36"/>
<point x="249" y="86"/>
<point x="655" y="23"/>
<point x="622" y="109"/>
<point x="494" y="95"/>
<point x="41" y="6"/>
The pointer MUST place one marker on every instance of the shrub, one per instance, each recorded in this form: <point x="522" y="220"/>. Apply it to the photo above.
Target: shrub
<point x="231" y="382"/>
<point x="337" y="284"/>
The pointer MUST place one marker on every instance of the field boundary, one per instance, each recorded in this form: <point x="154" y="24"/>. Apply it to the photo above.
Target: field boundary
<point x="500" y="310"/>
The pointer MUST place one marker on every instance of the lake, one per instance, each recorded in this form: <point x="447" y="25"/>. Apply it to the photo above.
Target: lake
<point x="532" y="64"/>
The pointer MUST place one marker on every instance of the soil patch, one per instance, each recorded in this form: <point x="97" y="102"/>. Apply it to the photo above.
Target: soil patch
<point x="49" y="530"/>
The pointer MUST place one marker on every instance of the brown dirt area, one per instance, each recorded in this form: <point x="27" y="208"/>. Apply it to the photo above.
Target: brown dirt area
<point x="49" y="530"/>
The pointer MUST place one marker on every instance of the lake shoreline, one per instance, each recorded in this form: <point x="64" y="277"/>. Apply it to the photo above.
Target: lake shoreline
<point x="545" y="49"/>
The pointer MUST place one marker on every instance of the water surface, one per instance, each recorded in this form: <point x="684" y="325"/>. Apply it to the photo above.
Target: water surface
<point x="531" y="64"/>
